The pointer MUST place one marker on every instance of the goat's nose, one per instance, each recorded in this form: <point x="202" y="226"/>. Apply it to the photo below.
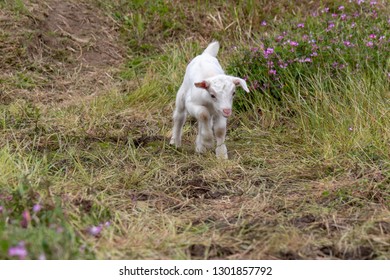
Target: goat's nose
<point x="227" y="112"/>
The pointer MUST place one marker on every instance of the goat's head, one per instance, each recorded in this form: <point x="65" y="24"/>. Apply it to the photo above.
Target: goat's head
<point x="222" y="90"/>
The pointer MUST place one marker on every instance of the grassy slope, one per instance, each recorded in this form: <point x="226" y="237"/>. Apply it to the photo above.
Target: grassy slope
<point x="298" y="187"/>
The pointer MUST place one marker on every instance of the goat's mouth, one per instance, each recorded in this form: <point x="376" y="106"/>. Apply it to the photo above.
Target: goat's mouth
<point x="226" y="115"/>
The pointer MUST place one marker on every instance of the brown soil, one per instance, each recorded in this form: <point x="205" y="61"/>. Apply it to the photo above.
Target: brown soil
<point x="73" y="46"/>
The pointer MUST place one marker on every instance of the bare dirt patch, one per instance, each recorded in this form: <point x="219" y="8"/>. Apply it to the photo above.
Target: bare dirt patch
<point x="67" y="50"/>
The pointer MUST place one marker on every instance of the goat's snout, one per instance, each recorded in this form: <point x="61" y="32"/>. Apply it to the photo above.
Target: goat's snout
<point x="226" y="112"/>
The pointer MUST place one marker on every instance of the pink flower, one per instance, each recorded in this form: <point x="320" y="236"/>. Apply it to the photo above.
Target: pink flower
<point x="343" y="17"/>
<point x="272" y="72"/>
<point x="1" y="209"/>
<point x="26" y="219"/>
<point x="37" y="208"/>
<point x="330" y="26"/>
<point x="268" y="52"/>
<point x="314" y="54"/>
<point x="372" y="36"/>
<point x="301" y="25"/>
<point x="18" y="251"/>
<point x="95" y="230"/>
<point x="370" y="44"/>
<point x="353" y="24"/>
<point x="341" y="8"/>
<point x="373" y="3"/>
<point x="293" y="43"/>
<point x="282" y="64"/>
<point x="279" y="38"/>
<point x="348" y="44"/>
<point x="263" y="23"/>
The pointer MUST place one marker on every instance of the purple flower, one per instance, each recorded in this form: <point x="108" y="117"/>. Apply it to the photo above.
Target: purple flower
<point x="26" y="219"/>
<point x="334" y="15"/>
<point x="335" y="64"/>
<point x="325" y="10"/>
<point x="330" y="26"/>
<point x="254" y="49"/>
<point x="107" y="224"/>
<point x="279" y="38"/>
<point x="42" y="257"/>
<point x="343" y="17"/>
<point x="282" y="64"/>
<point x="263" y="23"/>
<point x="293" y="43"/>
<point x="1" y="209"/>
<point x="37" y="208"/>
<point x="348" y="44"/>
<point x="353" y="24"/>
<point x="268" y="52"/>
<point x="301" y="25"/>
<point x="270" y="63"/>
<point x="341" y="8"/>
<point x="372" y="36"/>
<point x="381" y="38"/>
<point x="370" y="44"/>
<point x="373" y="3"/>
<point x="18" y="251"/>
<point x="314" y="54"/>
<point x="272" y="72"/>
<point x="350" y="128"/>
<point x="95" y="230"/>
<point x="308" y="60"/>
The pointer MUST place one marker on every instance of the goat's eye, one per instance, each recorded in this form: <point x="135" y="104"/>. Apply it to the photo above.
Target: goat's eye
<point x="212" y="96"/>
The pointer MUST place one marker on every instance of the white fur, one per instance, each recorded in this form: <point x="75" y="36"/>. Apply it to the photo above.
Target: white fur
<point x="203" y="79"/>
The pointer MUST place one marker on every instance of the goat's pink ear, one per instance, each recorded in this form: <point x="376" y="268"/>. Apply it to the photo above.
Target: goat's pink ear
<point x="202" y="84"/>
<point x="241" y="82"/>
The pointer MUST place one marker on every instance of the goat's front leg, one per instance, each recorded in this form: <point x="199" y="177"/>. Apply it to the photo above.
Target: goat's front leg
<point x="220" y="133"/>
<point x="204" y="139"/>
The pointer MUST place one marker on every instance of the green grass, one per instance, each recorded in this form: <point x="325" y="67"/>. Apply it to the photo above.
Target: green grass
<point x="308" y="170"/>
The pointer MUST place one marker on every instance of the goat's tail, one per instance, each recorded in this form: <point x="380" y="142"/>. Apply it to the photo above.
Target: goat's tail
<point x="212" y="49"/>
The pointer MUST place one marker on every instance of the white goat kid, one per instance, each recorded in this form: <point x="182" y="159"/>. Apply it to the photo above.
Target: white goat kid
<point x="206" y="94"/>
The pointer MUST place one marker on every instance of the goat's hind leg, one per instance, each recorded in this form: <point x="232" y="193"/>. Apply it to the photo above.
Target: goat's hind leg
<point x="179" y="118"/>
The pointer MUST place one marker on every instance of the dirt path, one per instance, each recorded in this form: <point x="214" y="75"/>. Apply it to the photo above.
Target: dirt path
<point x="67" y="50"/>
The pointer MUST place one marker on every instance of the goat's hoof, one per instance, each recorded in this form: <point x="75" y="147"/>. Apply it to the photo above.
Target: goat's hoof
<point x="173" y="142"/>
<point x="200" y="149"/>
<point x="221" y="152"/>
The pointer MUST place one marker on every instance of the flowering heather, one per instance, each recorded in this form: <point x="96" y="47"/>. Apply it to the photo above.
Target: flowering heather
<point x="331" y="43"/>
